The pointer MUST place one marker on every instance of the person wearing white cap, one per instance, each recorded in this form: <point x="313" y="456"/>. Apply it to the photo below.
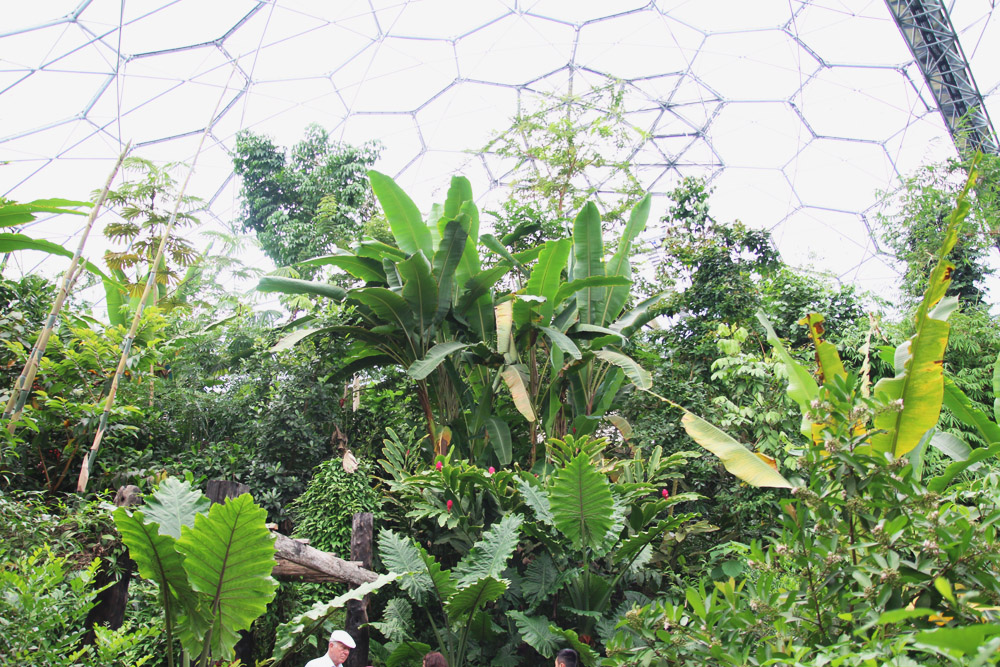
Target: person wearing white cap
<point x="341" y="644"/>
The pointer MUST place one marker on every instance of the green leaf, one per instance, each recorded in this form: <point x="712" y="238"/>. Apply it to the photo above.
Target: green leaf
<point x="175" y="504"/>
<point x="619" y="264"/>
<point x="296" y="286"/>
<point x="446" y="260"/>
<point x="404" y="218"/>
<point x="386" y="304"/>
<point x="379" y="251"/>
<point x="421" y="368"/>
<point x="12" y="242"/>
<point x="514" y="380"/>
<point x="562" y="341"/>
<point x="581" y="503"/>
<point x="419" y="289"/>
<point x="470" y="263"/>
<point x="420" y="574"/>
<point x="499" y="434"/>
<point x="570" y="288"/>
<point x="291" y="635"/>
<point x="19" y="214"/>
<point x="967" y="412"/>
<point x="363" y="268"/>
<point x="588" y="261"/>
<point x="113" y="297"/>
<point x="940" y="483"/>
<point x="546" y="275"/>
<point x="639" y="376"/>
<point x="951" y="446"/>
<point x="633" y="320"/>
<point x="965" y="639"/>
<point x="535" y="632"/>
<point x="494" y="244"/>
<point x="827" y="357"/>
<point x="470" y="599"/>
<point x="229" y="555"/>
<point x="489" y="555"/>
<point x="899" y="615"/>
<point x="737" y="459"/>
<point x="407" y="654"/>
<point x="802" y="388"/>
<point x="587" y="655"/>
<point x="541" y="580"/>
<point x="289" y="341"/>
<point x="480" y="284"/>
<point x="536" y="499"/>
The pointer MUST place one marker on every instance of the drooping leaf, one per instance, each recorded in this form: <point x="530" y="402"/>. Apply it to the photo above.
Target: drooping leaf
<point x="388" y="305"/>
<point x="737" y="459"/>
<point x="473" y="597"/>
<point x="19" y="214"/>
<point x="363" y="268"/>
<point x="634" y="319"/>
<point x="175" y="504"/>
<point x="404" y="217"/>
<point x="499" y="434"/>
<point x="377" y="250"/>
<point x="951" y="446"/>
<point x="297" y="286"/>
<point x="229" y="555"/>
<point x="581" y="503"/>
<point x="638" y="375"/>
<point x="940" y="483"/>
<point x="619" y="264"/>
<point x="562" y="341"/>
<point x="514" y="380"/>
<point x="969" y="413"/>
<point x="12" y="242"/>
<point x="489" y="555"/>
<point x="421" y="368"/>
<point x="966" y="640"/>
<point x="504" y="314"/>
<point x="290" y="340"/>
<point x="827" y="358"/>
<point x="494" y="244"/>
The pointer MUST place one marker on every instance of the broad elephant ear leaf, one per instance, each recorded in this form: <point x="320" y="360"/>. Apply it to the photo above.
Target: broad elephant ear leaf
<point x="228" y="557"/>
<point x="175" y="504"/>
<point x="737" y="459"/>
<point x="581" y="503"/>
<point x="470" y="599"/>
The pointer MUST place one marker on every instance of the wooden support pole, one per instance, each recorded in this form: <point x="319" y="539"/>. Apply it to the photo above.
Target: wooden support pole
<point x="109" y="610"/>
<point x="356" y="622"/>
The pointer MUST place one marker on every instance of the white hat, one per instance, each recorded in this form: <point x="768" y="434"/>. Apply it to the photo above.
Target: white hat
<point x="343" y="638"/>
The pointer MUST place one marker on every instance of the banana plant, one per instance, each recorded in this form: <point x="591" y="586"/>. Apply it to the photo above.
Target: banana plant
<point x="212" y="566"/>
<point x="428" y="306"/>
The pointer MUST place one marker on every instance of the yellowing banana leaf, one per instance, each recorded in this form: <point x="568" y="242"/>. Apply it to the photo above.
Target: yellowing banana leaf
<point x="519" y="392"/>
<point x="826" y="353"/>
<point x="737" y="459"/>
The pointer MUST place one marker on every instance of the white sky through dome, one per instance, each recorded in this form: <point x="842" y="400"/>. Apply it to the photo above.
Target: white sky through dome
<point x="797" y="112"/>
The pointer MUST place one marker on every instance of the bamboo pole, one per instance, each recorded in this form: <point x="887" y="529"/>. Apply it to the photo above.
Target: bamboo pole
<point x="90" y="456"/>
<point x="22" y="387"/>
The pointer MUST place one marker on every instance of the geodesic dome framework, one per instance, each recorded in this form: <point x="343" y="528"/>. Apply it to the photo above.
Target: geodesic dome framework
<point x="797" y="111"/>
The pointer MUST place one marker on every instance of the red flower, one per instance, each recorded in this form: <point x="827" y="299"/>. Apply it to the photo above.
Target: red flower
<point x="448" y="505"/>
<point x="491" y="470"/>
<point x="439" y="465"/>
<point x="666" y="494"/>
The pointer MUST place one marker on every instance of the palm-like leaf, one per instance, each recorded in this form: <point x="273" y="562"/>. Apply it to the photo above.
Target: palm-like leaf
<point x="489" y="555"/>
<point x="229" y="555"/>
<point x="582" y="506"/>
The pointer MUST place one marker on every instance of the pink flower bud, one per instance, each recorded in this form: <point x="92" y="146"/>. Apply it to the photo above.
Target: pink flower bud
<point x="439" y="465"/>
<point x="448" y="505"/>
<point x="666" y="494"/>
<point x="491" y="470"/>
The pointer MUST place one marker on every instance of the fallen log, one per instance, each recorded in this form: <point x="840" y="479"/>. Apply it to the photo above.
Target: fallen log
<point x="335" y="569"/>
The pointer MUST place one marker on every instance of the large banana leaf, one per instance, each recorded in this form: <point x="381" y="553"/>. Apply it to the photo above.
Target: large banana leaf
<point x="489" y="555"/>
<point x="619" y="265"/>
<point x="827" y="358"/>
<point x="297" y="286"/>
<point x="18" y="214"/>
<point x="519" y="392"/>
<point x="404" y="217"/>
<point x="581" y="503"/>
<point x="419" y="289"/>
<point x="588" y="261"/>
<point x="388" y="305"/>
<point x="639" y="376"/>
<point x="11" y="242"/>
<point x="446" y="261"/>
<point x="634" y="319"/>
<point x="364" y="268"/>
<point x="546" y="275"/>
<point x="965" y="410"/>
<point x="499" y="434"/>
<point x="570" y="288"/>
<point x="737" y="459"/>
<point x="562" y="341"/>
<point x="175" y="504"/>
<point x="421" y="368"/>
<point x="229" y="555"/>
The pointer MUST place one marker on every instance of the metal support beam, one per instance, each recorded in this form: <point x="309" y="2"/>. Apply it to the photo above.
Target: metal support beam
<point x="926" y="26"/>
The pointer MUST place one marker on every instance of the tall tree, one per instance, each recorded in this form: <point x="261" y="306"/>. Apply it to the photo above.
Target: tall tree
<point x="304" y="202"/>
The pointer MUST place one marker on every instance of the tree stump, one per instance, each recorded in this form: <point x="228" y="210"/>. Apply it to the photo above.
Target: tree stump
<point x="109" y="609"/>
<point x="357" y="610"/>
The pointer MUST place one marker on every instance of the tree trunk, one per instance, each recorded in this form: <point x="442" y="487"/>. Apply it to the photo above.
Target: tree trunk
<point x="109" y="610"/>
<point x="357" y="610"/>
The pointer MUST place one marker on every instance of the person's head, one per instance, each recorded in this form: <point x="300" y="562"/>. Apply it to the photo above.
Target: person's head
<point x="435" y="659"/>
<point x="567" y="658"/>
<point x="341" y="644"/>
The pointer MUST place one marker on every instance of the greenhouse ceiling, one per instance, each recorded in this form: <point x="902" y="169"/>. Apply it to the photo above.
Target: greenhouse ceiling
<point x="798" y="112"/>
